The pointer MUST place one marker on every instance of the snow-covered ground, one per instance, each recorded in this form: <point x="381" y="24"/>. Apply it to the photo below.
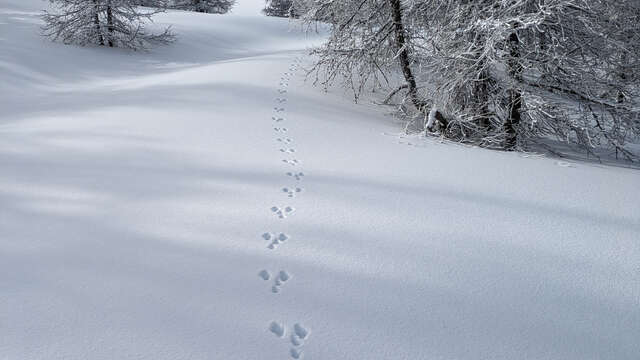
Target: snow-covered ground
<point x="135" y="189"/>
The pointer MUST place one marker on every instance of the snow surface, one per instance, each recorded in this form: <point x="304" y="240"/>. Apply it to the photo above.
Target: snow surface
<point x="136" y="221"/>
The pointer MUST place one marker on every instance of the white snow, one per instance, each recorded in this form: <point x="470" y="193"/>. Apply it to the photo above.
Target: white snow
<point x="432" y="118"/>
<point x="135" y="215"/>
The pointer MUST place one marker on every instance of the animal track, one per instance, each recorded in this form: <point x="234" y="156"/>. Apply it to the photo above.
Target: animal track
<point x="279" y="280"/>
<point x="264" y="275"/>
<point x="291" y="192"/>
<point x="296" y="341"/>
<point x="298" y="335"/>
<point x="301" y="331"/>
<point x="275" y="240"/>
<point x="277" y="328"/>
<point x="283" y="213"/>
<point x="298" y="176"/>
<point x="296" y="353"/>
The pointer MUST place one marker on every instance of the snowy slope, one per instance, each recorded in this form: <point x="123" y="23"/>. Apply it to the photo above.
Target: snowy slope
<point x="135" y="189"/>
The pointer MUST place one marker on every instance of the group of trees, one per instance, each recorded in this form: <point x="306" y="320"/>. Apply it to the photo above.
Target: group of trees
<point x="500" y="73"/>
<point x="281" y="8"/>
<point x="117" y="23"/>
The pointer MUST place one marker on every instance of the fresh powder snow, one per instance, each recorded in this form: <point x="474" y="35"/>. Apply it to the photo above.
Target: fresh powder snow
<point x="203" y="201"/>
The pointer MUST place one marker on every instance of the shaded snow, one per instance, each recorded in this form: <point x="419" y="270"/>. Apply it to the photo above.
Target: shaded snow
<point x="136" y="191"/>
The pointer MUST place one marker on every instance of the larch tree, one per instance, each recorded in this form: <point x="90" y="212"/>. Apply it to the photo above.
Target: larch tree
<point x="512" y="72"/>
<point x="281" y="8"/>
<point x="205" y="6"/>
<point x="113" y="23"/>
<point x="369" y="41"/>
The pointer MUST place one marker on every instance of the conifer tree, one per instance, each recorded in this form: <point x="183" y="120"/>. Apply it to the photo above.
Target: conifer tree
<point x="281" y="8"/>
<point x="205" y="6"/>
<point x="113" y="23"/>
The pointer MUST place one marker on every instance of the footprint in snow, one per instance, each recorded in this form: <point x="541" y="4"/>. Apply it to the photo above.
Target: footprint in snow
<point x="292" y="162"/>
<point x="291" y="192"/>
<point x="298" y="335"/>
<point x="296" y="341"/>
<point x="277" y="119"/>
<point x="275" y="240"/>
<point x="277" y="109"/>
<point x="301" y="331"/>
<point x="298" y="176"/>
<point x="288" y="151"/>
<point x="279" y="280"/>
<point x="282" y="213"/>
<point x="281" y="100"/>
<point x="296" y="353"/>
<point x="282" y="91"/>
<point x="279" y="129"/>
<point x="264" y="275"/>
<point x="285" y="140"/>
<point x="277" y="329"/>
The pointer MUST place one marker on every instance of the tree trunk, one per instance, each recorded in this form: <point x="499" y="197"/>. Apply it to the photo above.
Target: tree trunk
<point x="110" y="22"/>
<point x="403" y="55"/>
<point x="514" y="67"/>
<point x="96" y="22"/>
<point x="623" y="76"/>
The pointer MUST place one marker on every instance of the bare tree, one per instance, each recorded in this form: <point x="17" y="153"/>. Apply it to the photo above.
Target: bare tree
<point x="552" y="68"/>
<point x="368" y="43"/>
<point x="113" y="23"/>
<point x="281" y="8"/>
<point x="204" y="6"/>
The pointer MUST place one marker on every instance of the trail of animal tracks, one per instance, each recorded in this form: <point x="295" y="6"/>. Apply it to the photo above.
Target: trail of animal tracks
<point x="202" y="201"/>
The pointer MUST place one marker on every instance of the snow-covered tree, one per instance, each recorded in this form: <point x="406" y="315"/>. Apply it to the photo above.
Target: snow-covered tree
<point x="113" y="23"/>
<point x="205" y="6"/>
<point x="281" y="8"/>
<point x="501" y="73"/>
<point x="511" y="72"/>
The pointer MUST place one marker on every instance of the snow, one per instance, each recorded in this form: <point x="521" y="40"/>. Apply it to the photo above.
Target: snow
<point x="136" y="220"/>
<point x="432" y="118"/>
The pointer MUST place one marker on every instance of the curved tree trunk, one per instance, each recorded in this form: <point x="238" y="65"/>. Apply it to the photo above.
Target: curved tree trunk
<point x="403" y="55"/>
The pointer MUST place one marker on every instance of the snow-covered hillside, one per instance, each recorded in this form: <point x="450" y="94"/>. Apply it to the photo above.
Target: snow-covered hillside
<point x="142" y="198"/>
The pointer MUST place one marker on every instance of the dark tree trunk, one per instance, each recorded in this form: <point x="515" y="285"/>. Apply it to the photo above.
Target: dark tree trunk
<point x="96" y="22"/>
<point x="403" y="56"/>
<point x="110" y="22"/>
<point x="623" y="77"/>
<point x="514" y="67"/>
